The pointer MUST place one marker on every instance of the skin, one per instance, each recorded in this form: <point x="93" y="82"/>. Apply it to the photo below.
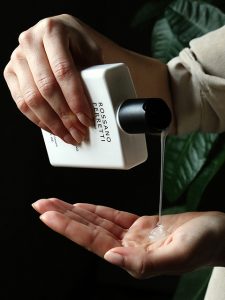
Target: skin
<point x="122" y="238"/>
<point x="43" y="75"/>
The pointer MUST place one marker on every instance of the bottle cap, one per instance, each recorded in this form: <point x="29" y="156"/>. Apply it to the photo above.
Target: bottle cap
<point x="146" y="115"/>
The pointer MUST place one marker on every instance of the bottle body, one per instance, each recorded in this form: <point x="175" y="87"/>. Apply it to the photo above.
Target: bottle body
<point x="108" y="146"/>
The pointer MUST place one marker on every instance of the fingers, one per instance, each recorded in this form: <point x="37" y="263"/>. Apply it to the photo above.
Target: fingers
<point x="47" y="82"/>
<point x="31" y="103"/>
<point x="14" y="88"/>
<point x="121" y="218"/>
<point x="78" y="214"/>
<point x="54" y="204"/>
<point x="44" y="79"/>
<point x="91" y="239"/>
<point x="111" y="228"/>
<point x="66" y="74"/>
<point x="44" y="205"/>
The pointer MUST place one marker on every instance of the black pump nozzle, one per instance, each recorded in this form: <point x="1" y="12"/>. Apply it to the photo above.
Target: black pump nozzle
<point x="147" y="115"/>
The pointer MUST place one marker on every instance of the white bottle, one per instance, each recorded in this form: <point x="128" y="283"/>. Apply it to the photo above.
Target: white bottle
<point x="118" y="139"/>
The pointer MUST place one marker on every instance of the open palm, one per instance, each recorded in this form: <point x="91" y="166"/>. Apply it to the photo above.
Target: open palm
<point x="122" y="238"/>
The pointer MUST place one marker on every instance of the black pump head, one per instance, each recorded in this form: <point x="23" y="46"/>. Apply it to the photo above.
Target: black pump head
<point x="146" y="115"/>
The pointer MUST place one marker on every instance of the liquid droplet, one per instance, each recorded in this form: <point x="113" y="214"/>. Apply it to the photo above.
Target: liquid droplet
<point x="158" y="233"/>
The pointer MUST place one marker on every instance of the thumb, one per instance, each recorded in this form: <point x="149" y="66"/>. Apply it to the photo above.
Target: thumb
<point x="145" y="264"/>
<point x="127" y="258"/>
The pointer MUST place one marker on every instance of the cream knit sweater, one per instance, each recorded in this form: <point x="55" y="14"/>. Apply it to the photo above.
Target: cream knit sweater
<point x="198" y="91"/>
<point x="198" y="84"/>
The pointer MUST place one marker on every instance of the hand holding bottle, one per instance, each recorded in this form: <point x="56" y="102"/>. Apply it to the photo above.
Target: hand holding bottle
<point x="43" y="76"/>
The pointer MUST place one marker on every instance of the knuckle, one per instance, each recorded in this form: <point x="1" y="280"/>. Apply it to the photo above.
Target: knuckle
<point x="64" y="115"/>
<point x="32" y="98"/>
<point x="75" y="104"/>
<point x="69" y="120"/>
<point x="50" y="25"/>
<point x="21" y="104"/>
<point x="6" y="71"/>
<point x="57" y="128"/>
<point x="66" y="15"/>
<point x="46" y="85"/>
<point x="16" y="54"/>
<point x="25" y="37"/>
<point x="46" y="24"/>
<point x="62" y="69"/>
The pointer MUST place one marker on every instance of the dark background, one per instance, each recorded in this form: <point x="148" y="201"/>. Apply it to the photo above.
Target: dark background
<point x="37" y="263"/>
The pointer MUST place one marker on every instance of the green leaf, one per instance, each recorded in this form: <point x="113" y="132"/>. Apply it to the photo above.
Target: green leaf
<point x="164" y="43"/>
<point x="191" y="19"/>
<point x="199" y="185"/>
<point x="218" y="3"/>
<point x="184" y="157"/>
<point x="183" y="20"/>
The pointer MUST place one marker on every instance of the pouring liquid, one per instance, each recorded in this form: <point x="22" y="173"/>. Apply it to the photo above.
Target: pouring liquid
<point x="159" y="232"/>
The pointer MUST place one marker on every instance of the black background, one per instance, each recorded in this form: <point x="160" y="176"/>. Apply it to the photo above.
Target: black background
<point x="37" y="263"/>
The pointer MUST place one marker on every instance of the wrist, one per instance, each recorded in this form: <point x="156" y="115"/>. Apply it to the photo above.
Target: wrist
<point x="151" y="79"/>
<point x="150" y="76"/>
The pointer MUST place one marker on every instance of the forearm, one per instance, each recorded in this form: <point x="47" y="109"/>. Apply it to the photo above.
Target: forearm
<point x="150" y="76"/>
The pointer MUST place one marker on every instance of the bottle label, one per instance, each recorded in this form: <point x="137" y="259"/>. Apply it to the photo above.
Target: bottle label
<point x="101" y="122"/>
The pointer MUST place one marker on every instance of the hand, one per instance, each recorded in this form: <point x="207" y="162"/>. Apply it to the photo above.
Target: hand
<point x="43" y="76"/>
<point x="194" y="239"/>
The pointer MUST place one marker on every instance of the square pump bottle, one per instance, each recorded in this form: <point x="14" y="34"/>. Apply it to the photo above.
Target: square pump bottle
<point x="117" y="141"/>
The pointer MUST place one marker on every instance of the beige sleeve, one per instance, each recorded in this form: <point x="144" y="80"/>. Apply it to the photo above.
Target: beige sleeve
<point x="216" y="286"/>
<point x="198" y="84"/>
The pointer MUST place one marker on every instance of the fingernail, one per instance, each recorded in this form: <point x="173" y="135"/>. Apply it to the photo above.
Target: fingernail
<point x="69" y="140"/>
<point x="114" y="258"/>
<point x="76" y="135"/>
<point x="34" y="204"/>
<point x="43" y="218"/>
<point x="85" y="120"/>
